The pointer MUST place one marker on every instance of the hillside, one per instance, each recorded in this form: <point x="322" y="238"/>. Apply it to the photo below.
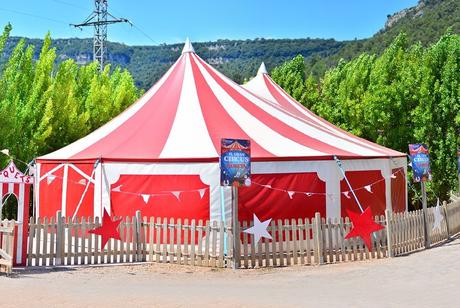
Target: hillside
<point x="239" y="59"/>
<point x="424" y="23"/>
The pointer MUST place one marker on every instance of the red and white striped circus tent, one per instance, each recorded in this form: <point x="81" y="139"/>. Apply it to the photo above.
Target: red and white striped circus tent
<point x="161" y="156"/>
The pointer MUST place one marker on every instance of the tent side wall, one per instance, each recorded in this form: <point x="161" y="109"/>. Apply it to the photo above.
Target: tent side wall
<point x="280" y="190"/>
<point x="65" y="187"/>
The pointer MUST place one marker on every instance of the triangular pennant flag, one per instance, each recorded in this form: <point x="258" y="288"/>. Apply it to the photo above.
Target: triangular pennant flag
<point x="145" y="197"/>
<point x="82" y="182"/>
<point x="368" y="188"/>
<point x="176" y="194"/>
<point x="202" y="191"/>
<point x="6" y="152"/>
<point x="309" y="194"/>
<point x="393" y="176"/>
<point x="267" y="186"/>
<point x="347" y="194"/>
<point x="118" y="188"/>
<point x="31" y="170"/>
<point x="50" y="178"/>
<point x="438" y="217"/>
<point x="410" y="164"/>
<point x="291" y="194"/>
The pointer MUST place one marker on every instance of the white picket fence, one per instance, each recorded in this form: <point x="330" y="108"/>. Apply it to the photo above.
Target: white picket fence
<point x="198" y="243"/>
<point x="6" y="246"/>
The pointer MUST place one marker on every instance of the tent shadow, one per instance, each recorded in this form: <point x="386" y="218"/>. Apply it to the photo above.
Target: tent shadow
<point x="31" y="272"/>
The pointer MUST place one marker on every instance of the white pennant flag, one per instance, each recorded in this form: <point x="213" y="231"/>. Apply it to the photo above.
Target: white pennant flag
<point x="82" y="182"/>
<point x="118" y="188"/>
<point x="368" y="188"/>
<point x="50" y="178"/>
<point x="202" y="191"/>
<point x="176" y="194"/>
<point x="146" y="198"/>
<point x="347" y="194"/>
<point x="267" y="186"/>
<point x="393" y="176"/>
<point x="31" y="170"/>
<point x="309" y="194"/>
<point x="291" y="194"/>
<point x="6" y="152"/>
<point x="438" y="217"/>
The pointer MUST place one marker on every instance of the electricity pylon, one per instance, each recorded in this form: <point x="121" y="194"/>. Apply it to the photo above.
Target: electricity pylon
<point x="99" y="19"/>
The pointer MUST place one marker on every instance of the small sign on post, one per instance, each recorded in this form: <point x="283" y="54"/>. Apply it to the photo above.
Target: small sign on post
<point x="235" y="171"/>
<point x="420" y="160"/>
<point x="235" y="162"/>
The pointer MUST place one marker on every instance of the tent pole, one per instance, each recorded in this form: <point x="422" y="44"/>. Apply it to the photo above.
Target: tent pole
<point x="235" y="228"/>
<point x="223" y="218"/>
<point x="425" y="220"/>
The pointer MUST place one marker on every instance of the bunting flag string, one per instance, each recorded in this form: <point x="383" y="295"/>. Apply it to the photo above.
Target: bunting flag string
<point x="50" y="178"/>
<point x="332" y="196"/>
<point x="177" y="193"/>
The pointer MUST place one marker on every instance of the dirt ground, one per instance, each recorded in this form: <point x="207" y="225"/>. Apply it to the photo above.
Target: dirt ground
<point x="429" y="278"/>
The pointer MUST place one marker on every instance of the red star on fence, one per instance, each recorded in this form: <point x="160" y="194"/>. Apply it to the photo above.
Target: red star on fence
<point x="363" y="226"/>
<point x="108" y="229"/>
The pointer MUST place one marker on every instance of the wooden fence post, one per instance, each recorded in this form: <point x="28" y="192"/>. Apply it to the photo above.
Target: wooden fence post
<point x="138" y="241"/>
<point x="446" y="217"/>
<point x="388" y="217"/>
<point x="318" y="239"/>
<point x="59" y="239"/>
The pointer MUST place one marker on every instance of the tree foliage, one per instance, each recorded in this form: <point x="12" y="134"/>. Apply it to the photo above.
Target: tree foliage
<point x="45" y="105"/>
<point x="408" y="94"/>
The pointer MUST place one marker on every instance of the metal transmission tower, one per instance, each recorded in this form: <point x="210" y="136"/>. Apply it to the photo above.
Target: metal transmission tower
<point x="100" y="18"/>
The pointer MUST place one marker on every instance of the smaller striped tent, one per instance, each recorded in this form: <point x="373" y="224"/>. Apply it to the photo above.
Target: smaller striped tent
<point x="14" y="182"/>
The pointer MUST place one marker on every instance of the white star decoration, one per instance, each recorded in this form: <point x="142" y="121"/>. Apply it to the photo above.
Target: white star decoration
<point x="437" y="217"/>
<point x="259" y="229"/>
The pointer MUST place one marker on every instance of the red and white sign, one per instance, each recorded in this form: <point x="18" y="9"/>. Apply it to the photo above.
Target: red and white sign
<point x="11" y="174"/>
<point x="14" y="182"/>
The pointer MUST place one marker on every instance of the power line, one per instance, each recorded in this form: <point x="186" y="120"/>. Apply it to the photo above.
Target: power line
<point x="33" y="15"/>
<point x="38" y="17"/>
<point x="71" y="4"/>
<point x="145" y="34"/>
<point x="135" y="26"/>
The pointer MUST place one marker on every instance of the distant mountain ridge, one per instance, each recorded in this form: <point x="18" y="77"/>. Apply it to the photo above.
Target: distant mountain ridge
<point x="239" y="59"/>
<point x="425" y="23"/>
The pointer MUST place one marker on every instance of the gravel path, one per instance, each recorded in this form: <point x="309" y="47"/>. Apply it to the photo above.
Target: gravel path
<point x="429" y="278"/>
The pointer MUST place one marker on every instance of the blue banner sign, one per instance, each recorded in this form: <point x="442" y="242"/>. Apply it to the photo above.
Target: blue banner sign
<point x="420" y="160"/>
<point x="235" y="162"/>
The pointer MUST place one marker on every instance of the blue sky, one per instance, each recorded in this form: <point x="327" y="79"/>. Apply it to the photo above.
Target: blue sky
<point x="203" y="20"/>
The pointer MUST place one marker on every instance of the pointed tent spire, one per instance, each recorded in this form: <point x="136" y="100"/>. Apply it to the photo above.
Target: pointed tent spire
<point x="188" y="47"/>
<point x="262" y="69"/>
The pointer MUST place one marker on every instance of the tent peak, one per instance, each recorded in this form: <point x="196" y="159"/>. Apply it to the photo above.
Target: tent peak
<point x="188" y="46"/>
<point x="262" y="69"/>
